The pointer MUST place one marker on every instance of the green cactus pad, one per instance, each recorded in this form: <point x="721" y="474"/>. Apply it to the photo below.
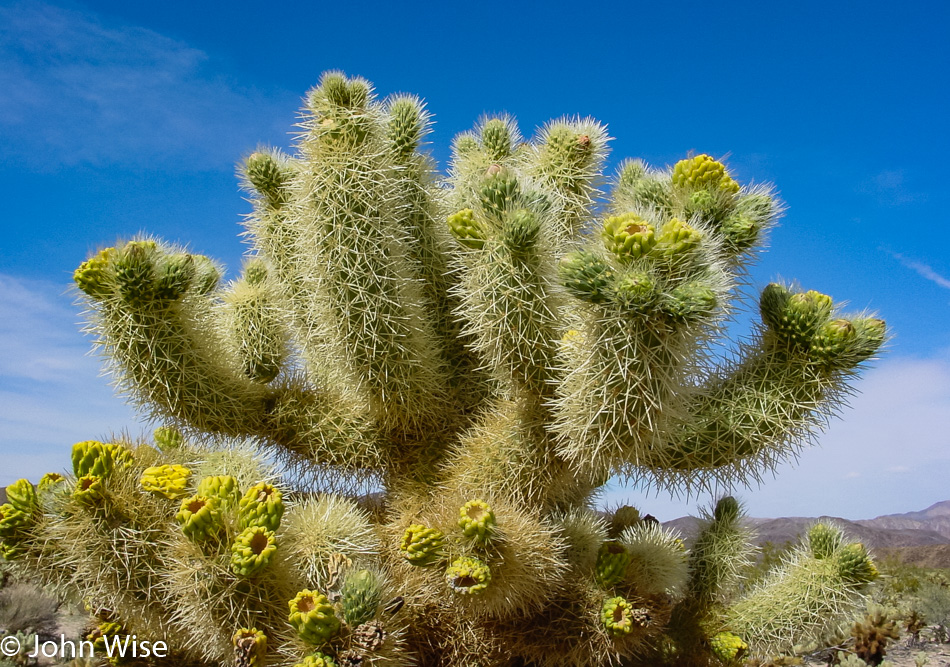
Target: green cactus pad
<point x="620" y="618"/>
<point x="422" y="545"/>
<point x="405" y="126"/>
<point x="135" y="273"/>
<point x="170" y="481"/>
<point x="499" y="192"/>
<point x="612" y="562"/>
<point x="361" y="595"/>
<point x="92" y="275"/>
<point x="466" y="229"/>
<point x="199" y="518"/>
<point x="313" y="617"/>
<point x="207" y="275"/>
<point x="496" y="139"/>
<point x="224" y="488"/>
<point x="521" y="229"/>
<point x="264" y="172"/>
<point x="252" y="551"/>
<point x="635" y="292"/>
<point x="855" y="565"/>
<point x="262" y="505"/>
<point x="628" y="236"/>
<point x="468" y="576"/>
<point x="690" y="302"/>
<point x="22" y="496"/>
<point x="824" y="540"/>
<point x="676" y="240"/>
<point x="477" y="520"/>
<point x="585" y="275"/>
<point x="728" y="647"/>
<point x="703" y="172"/>
<point x="250" y="647"/>
<point x="168" y="438"/>
<point x="317" y="660"/>
<point x="49" y="482"/>
<point x="89" y="490"/>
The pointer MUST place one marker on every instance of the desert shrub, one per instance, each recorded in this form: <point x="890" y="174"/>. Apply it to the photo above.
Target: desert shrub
<point x="26" y="608"/>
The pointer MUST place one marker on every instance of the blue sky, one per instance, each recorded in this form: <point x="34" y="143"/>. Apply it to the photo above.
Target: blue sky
<point x="122" y="117"/>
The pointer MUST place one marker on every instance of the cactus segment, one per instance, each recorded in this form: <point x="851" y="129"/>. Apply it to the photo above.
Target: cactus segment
<point x="499" y="192"/>
<point x="199" y="518"/>
<point x="691" y="302"/>
<point x="625" y="516"/>
<point x="521" y="229"/>
<point x="262" y="505"/>
<point x="728" y="647"/>
<point x="585" y="275"/>
<point x="628" y="236"/>
<point x="170" y="481"/>
<point x="223" y="488"/>
<point x="421" y="545"/>
<point x="406" y="126"/>
<point x="468" y="576"/>
<point x="250" y="647"/>
<point x="12" y="521"/>
<point x="612" y="561"/>
<point x="135" y="273"/>
<point x="265" y="174"/>
<point x="824" y="540"/>
<point x="635" y="292"/>
<point x="252" y="551"/>
<point x="477" y="520"/>
<point x="466" y="229"/>
<point x="22" y="496"/>
<point x="174" y="274"/>
<point x="703" y="171"/>
<point x="313" y="617"/>
<point x="496" y="139"/>
<point x="855" y="565"/>
<point x="361" y="596"/>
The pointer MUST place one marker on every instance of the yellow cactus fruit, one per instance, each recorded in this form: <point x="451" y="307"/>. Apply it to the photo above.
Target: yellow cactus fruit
<point x="91" y="457"/>
<point x="421" y="545"/>
<point x="250" y="647"/>
<point x="313" y="617"/>
<point x="89" y="489"/>
<point x="628" y="236"/>
<point x="199" y="518"/>
<point x="22" y="496"/>
<point x="466" y="229"/>
<point x="477" y="520"/>
<point x="703" y="172"/>
<point x="468" y="576"/>
<point x="49" y="481"/>
<point x="317" y="660"/>
<point x="728" y="647"/>
<point x="252" y="551"/>
<point x="262" y="505"/>
<point x="12" y="521"/>
<point x="168" y="438"/>
<point x="103" y="632"/>
<point x="224" y="488"/>
<point x="91" y="275"/>
<point x="620" y="618"/>
<point x="170" y="481"/>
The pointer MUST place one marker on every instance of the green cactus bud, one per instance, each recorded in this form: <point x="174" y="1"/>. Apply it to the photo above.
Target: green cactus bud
<point x="207" y="275"/>
<point x="466" y="229"/>
<point x="92" y="275"/>
<point x="361" y="595"/>
<point x="870" y="335"/>
<point x="855" y="565"/>
<point x="740" y="232"/>
<point x="521" y="229"/>
<point x="727" y="510"/>
<point x="317" y="660"/>
<point x="252" y="551"/>
<point x="703" y="172"/>
<point x="824" y="540"/>
<point x="174" y="274"/>
<point x="702" y="202"/>
<point x="255" y="271"/>
<point x="464" y="144"/>
<point x="496" y="139"/>
<point x="803" y="315"/>
<point x="612" y="561"/>
<point x="264" y="172"/>
<point x="22" y="496"/>
<point x="477" y="520"/>
<point x="135" y="273"/>
<point x="648" y="190"/>
<point x="49" y="482"/>
<point x="635" y="292"/>
<point x="691" y="302"/>
<point x="405" y="126"/>
<point x="833" y="339"/>
<point x="250" y="647"/>
<point x="628" y="236"/>
<point x="728" y="647"/>
<point x="262" y="505"/>
<point x="565" y="149"/>
<point x="620" y="618"/>
<point x="89" y="490"/>
<point x="168" y="438"/>
<point x="199" y="518"/>
<point x="313" y="617"/>
<point x="585" y="275"/>
<point x="772" y="304"/>
<point x="677" y="240"/>
<point x="632" y="172"/>
<point x="421" y="545"/>
<point x="223" y="488"/>
<point x="468" y="576"/>
<point x="623" y="517"/>
<point x="499" y="192"/>
<point x="170" y="481"/>
<point x="12" y="521"/>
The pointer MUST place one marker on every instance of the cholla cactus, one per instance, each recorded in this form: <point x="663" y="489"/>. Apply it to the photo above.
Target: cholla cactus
<point x="490" y="349"/>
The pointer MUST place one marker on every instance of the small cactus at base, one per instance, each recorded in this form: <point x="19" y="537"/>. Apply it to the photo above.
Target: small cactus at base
<point x="361" y="594"/>
<point x="468" y="576"/>
<point x="313" y="617"/>
<point x="421" y="545"/>
<point x="250" y="647"/>
<point x="170" y="481"/>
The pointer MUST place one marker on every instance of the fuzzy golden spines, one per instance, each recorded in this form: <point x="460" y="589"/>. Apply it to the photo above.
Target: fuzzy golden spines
<point x="313" y="617"/>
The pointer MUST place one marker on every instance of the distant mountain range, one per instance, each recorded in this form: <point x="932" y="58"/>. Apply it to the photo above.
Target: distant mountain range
<point x="913" y="529"/>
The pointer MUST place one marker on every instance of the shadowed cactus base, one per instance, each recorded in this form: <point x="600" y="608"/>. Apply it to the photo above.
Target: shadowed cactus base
<point x="380" y="442"/>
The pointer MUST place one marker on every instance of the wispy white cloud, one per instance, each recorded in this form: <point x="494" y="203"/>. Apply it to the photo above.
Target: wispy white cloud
<point x="80" y="89"/>
<point x="923" y="270"/>
<point x="891" y="188"/>
<point x="51" y="391"/>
